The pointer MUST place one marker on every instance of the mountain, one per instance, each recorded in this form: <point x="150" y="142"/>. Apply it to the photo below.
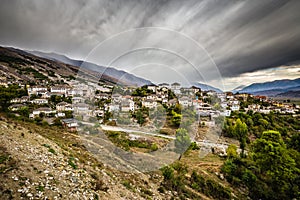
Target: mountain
<point x="238" y="88"/>
<point x="290" y="94"/>
<point x="18" y="65"/>
<point x="272" y="88"/>
<point x="206" y="87"/>
<point x="120" y="75"/>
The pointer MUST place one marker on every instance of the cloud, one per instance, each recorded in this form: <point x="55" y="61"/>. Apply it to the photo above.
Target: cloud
<point x="240" y="36"/>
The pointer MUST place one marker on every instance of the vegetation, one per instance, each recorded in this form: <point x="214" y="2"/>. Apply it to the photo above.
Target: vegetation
<point x="176" y="179"/>
<point x="271" y="171"/>
<point x="9" y="93"/>
<point x="122" y="140"/>
<point x="209" y="187"/>
<point x="182" y="141"/>
<point x="141" y="91"/>
<point x="267" y="168"/>
<point x="255" y="124"/>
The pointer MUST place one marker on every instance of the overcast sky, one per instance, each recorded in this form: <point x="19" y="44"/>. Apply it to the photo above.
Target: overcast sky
<point x="225" y="43"/>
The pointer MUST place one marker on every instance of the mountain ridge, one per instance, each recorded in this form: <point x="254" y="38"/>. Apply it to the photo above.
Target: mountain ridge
<point x="206" y="87"/>
<point x="109" y="71"/>
<point x="272" y="88"/>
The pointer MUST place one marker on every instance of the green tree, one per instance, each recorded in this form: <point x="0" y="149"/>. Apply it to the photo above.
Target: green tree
<point x="140" y="117"/>
<point x="24" y="111"/>
<point x="277" y="167"/>
<point x="231" y="151"/>
<point x="176" y="119"/>
<point x="240" y="131"/>
<point x="168" y="173"/>
<point x="9" y="93"/>
<point x="263" y="122"/>
<point x="182" y="141"/>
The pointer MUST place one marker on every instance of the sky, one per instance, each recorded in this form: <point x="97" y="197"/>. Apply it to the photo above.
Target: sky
<point x="225" y="43"/>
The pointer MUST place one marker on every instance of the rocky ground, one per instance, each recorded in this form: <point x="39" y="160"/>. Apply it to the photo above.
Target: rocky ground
<point x="40" y="163"/>
<point x="46" y="162"/>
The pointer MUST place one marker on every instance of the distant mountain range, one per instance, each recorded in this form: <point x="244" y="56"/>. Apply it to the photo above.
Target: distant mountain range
<point x="16" y="64"/>
<point x="109" y="70"/>
<point x="277" y="88"/>
<point x="235" y="90"/>
<point x="121" y="76"/>
<point x="206" y="87"/>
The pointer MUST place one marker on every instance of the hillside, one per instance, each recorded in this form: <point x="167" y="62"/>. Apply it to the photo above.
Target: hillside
<point x="19" y="65"/>
<point x="38" y="162"/>
<point x="120" y="75"/>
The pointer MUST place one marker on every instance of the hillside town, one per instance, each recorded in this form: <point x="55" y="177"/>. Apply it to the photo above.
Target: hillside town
<point x="97" y="102"/>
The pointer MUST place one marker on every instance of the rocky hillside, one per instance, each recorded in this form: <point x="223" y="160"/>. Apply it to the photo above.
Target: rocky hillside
<point x="22" y="66"/>
<point x="44" y="163"/>
<point x="120" y="75"/>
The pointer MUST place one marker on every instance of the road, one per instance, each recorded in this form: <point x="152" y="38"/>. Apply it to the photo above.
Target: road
<point x="201" y="143"/>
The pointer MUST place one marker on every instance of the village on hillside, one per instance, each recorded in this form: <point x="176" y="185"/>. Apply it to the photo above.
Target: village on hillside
<point x="73" y="101"/>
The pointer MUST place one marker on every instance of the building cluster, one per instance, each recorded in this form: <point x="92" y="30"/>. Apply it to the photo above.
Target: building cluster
<point x="94" y="100"/>
<point x="272" y="106"/>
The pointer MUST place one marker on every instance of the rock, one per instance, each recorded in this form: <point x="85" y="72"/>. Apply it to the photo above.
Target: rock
<point x="221" y="176"/>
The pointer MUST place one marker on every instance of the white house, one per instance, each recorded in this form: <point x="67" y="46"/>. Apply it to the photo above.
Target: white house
<point x="59" y="89"/>
<point x="223" y="104"/>
<point x="185" y="101"/>
<point x="34" y="89"/>
<point x="40" y="101"/>
<point x="235" y="107"/>
<point x="163" y="85"/>
<point x="41" y="92"/>
<point x="81" y="108"/>
<point x="113" y="107"/>
<point x="195" y="89"/>
<point x="102" y="96"/>
<point x="197" y="103"/>
<point x="172" y="102"/>
<point x="152" y="96"/>
<point x="149" y="103"/>
<point x="23" y="99"/>
<point x="103" y="89"/>
<point x="152" y="88"/>
<point x="64" y="106"/>
<point x="98" y="112"/>
<point x="76" y="100"/>
<point x="175" y="86"/>
<point x="60" y="114"/>
<point x="226" y="113"/>
<point x="164" y="100"/>
<point x="127" y="105"/>
<point x="45" y="110"/>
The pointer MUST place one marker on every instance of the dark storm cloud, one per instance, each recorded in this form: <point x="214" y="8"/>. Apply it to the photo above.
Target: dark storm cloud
<point x="241" y="36"/>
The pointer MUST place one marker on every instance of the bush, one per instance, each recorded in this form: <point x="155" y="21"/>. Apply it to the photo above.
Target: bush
<point x="71" y="163"/>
